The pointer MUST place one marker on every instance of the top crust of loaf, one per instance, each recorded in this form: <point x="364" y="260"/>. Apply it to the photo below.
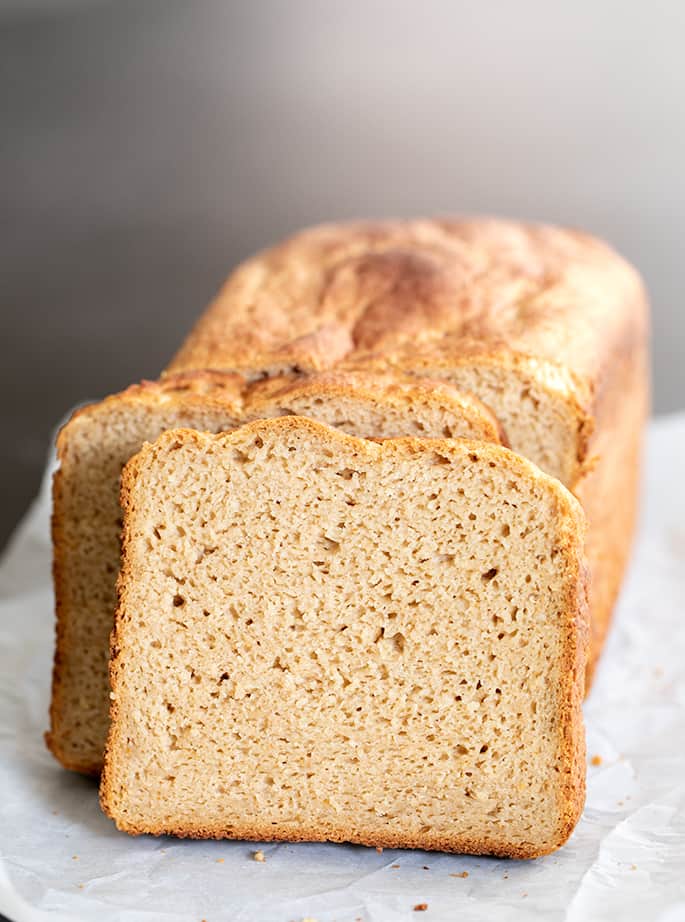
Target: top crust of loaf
<point x="556" y="305"/>
<point x="570" y="531"/>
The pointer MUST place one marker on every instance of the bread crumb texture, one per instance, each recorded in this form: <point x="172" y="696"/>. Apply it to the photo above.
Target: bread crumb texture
<point x="325" y="638"/>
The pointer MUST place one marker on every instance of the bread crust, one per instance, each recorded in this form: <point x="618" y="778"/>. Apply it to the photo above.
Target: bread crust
<point x="570" y="691"/>
<point x="232" y="395"/>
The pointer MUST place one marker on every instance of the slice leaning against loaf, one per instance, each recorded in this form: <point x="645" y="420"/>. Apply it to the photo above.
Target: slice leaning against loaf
<point x="320" y="637"/>
<point x="99" y="439"/>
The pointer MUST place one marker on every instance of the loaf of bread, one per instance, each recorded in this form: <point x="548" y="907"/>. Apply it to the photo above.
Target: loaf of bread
<point x="548" y="327"/>
<point x="99" y="439"/>
<point x="322" y="637"/>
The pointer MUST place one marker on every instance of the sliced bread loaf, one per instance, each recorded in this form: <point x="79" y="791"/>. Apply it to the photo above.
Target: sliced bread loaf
<point x="97" y="442"/>
<point x="548" y="326"/>
<point x="321" y="637"/>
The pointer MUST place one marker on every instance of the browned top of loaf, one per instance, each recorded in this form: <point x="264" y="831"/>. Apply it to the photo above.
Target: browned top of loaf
<point x="426" y="294"/>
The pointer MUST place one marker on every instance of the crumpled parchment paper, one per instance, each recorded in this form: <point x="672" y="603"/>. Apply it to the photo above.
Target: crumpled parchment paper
<point x="61" y="859"/>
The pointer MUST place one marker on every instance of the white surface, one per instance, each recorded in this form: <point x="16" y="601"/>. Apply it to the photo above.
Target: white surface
<point x="62" y="859"/>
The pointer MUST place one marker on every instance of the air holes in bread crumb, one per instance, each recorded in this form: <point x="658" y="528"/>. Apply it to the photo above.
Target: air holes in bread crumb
<point x="346" y="473"/>
<point x="490" y="575"/>
<point x="440" y="459"/>
<point x="179" y="601"/>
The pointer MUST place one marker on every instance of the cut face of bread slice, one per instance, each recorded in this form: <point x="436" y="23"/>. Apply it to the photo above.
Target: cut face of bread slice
<point x="321" y="637"/>
<point x="99" y="440"/>
<point x="375" y="405"/>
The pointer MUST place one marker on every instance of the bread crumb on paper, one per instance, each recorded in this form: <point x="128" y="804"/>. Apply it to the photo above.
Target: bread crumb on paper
<point x="379" y="849"/>
<point x="259" y="855"/>
<point x="219" y="860"/>
<point x="462" y="874"/>
<point x="596" y="760"/>
<point x="421" y="907"/>
<point x="394" y="865"/>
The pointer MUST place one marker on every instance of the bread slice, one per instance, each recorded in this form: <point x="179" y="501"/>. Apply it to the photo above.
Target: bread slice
<point x="92" y="448"/>
<point x="375" y="405"/>
<point x="547" y="326"/>
<point x="97" y="442"/>
<point x="321" y="637"/>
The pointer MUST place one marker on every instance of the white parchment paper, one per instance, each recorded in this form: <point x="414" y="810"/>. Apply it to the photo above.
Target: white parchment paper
<point x="60" y="858"/>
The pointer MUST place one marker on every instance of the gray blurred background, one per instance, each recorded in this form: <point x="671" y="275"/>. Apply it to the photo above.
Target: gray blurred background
<point x="148" y="146"/>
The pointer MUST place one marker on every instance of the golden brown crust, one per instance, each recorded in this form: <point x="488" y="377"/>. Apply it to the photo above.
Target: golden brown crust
<point x="425" y="294"/>
<point x="571" y="790"/>
<point x="609" y="488"/>
<point x="233" y="396"/>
